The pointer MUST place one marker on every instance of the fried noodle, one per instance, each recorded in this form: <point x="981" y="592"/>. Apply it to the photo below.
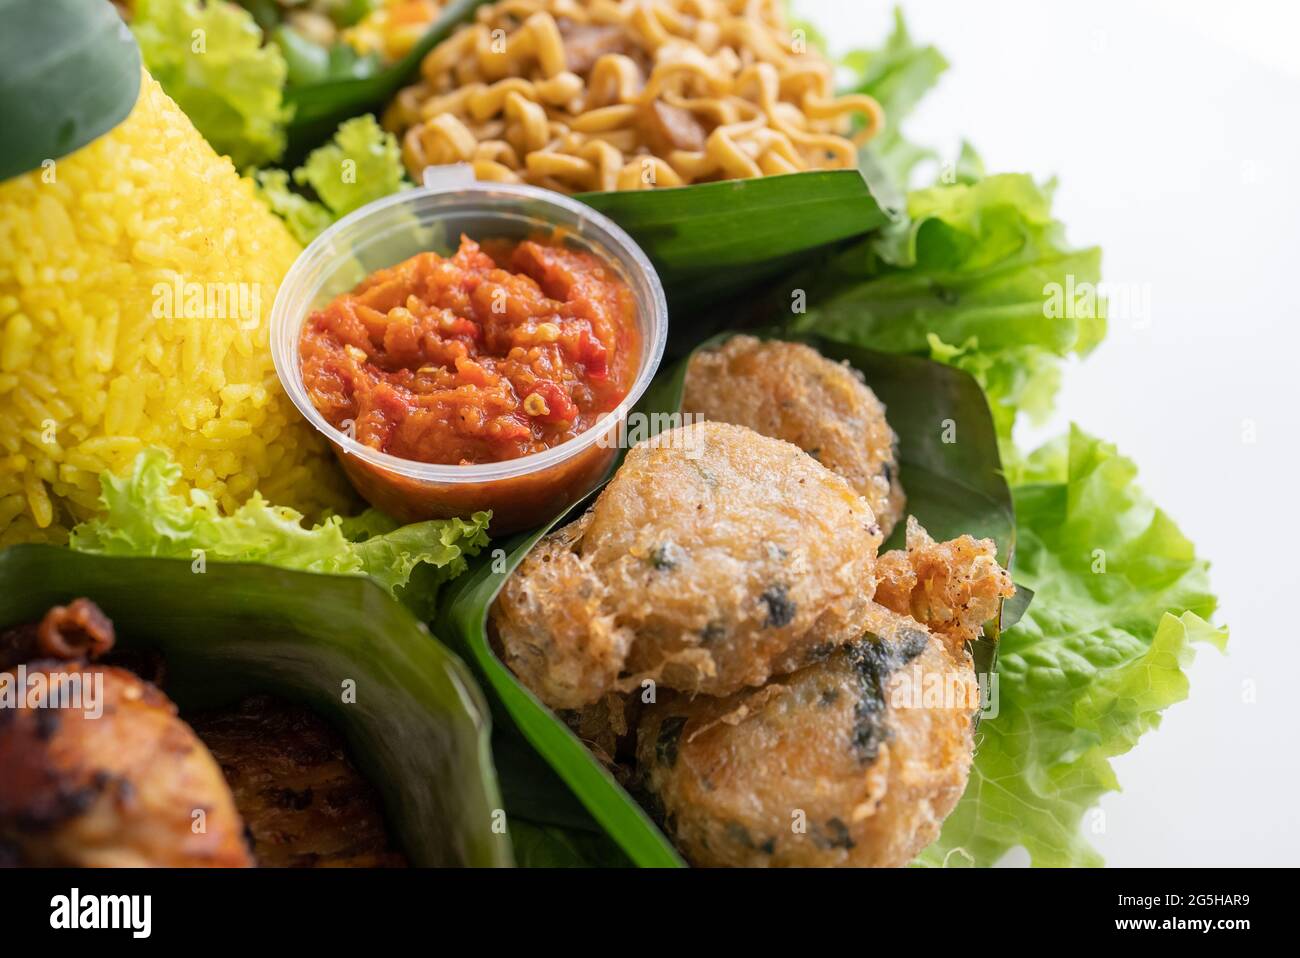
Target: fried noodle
<point x="578" y="95"/>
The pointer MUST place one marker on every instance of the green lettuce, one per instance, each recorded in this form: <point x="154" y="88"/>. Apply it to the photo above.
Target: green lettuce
<point x="305" y="218"/>
<point x="211" y="61"/>
<point x="1120" y="600"/>
<point x="979" y="275"/>
<point x="898" y="74"/>
<point x="142" y="516"/>
<point x="362" y="163"/>
<point x="970" y="274"/>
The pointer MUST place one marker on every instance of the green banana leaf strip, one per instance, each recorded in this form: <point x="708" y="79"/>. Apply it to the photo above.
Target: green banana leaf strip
<point x="319" y="108"/>
<point x="953" y="488"/>
<point x="71" y="73"/>
<point x="464" y="621"/>
<point x="1014" y="608"/>
<point x="548" y="826"/>
<point x="418" y="729"/>
<point x="709" y="241"/>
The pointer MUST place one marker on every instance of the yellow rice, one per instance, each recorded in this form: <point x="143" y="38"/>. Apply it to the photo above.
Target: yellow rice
<point x="98" y="360"/>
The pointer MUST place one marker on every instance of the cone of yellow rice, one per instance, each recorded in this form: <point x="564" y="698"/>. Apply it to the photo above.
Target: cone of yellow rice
<point x="136" y="281"/>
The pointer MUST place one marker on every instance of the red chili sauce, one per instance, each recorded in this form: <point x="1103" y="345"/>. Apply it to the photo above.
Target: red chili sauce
<point x="474" y="358"/>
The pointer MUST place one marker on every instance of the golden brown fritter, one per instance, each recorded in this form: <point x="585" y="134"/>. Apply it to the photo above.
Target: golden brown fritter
<point x="834" y="765"/>
<point x="555" y="626"/>
<point x="792" y="392"/>
<point x="952" y="587"/>
<point x="122" y="788"/>
<point x="305" y="804"/>
<point x="714" y="559"/>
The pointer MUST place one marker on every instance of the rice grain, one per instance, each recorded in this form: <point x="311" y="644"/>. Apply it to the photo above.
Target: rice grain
<point x="136" y="283"/>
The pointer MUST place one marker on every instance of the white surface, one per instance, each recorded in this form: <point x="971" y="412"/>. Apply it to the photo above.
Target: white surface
<point x="1173" y="127"/>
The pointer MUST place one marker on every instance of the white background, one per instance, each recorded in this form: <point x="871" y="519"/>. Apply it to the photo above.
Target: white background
<point x="1174" y="128"/>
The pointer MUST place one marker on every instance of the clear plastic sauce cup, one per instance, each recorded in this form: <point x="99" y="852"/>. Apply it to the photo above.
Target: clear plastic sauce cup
<point x="522" y="492"/>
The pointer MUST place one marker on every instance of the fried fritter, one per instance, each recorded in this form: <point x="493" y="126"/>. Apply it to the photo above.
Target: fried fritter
<point x="792" y="392"/>
<point x="714" y="559"/>
<point x="304" y="802"/>
<point x="555" y="626"/>
<point x="952" y="587"/>
<point x="839" y="764"/>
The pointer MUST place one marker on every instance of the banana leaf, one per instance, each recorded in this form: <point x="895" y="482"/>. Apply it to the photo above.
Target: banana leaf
<point x="418" y="728"/>
<point x="710" y="241"/>
<point x="948" y="449"/>
<point x="953" y="488"/>
<point x="71" y="73"/>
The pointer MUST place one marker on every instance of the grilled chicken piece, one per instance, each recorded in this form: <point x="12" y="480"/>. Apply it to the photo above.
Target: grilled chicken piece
<point x="131" y="786"/>
<point x="134" y="785"/>
<point x="304" y="802"/>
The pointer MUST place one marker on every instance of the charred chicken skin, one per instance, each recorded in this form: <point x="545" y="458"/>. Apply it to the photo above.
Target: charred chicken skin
<point x="305" y="804"/>
<point x="130" y="786"/>
<point x="121" y="780"/>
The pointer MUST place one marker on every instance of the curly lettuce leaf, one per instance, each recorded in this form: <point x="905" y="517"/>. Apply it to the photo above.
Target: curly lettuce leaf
<point x="1120" y="600"/>
<point x="305" y="218"/>
<point x="415" y="558"/>
<point x="211" y="61"/>
<point x="898" y="74"/>
<point x="362" y="163"/>
<point x="980" y="276"/>
<point x="142" y="516"/>
<point x="977" y="274"/>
